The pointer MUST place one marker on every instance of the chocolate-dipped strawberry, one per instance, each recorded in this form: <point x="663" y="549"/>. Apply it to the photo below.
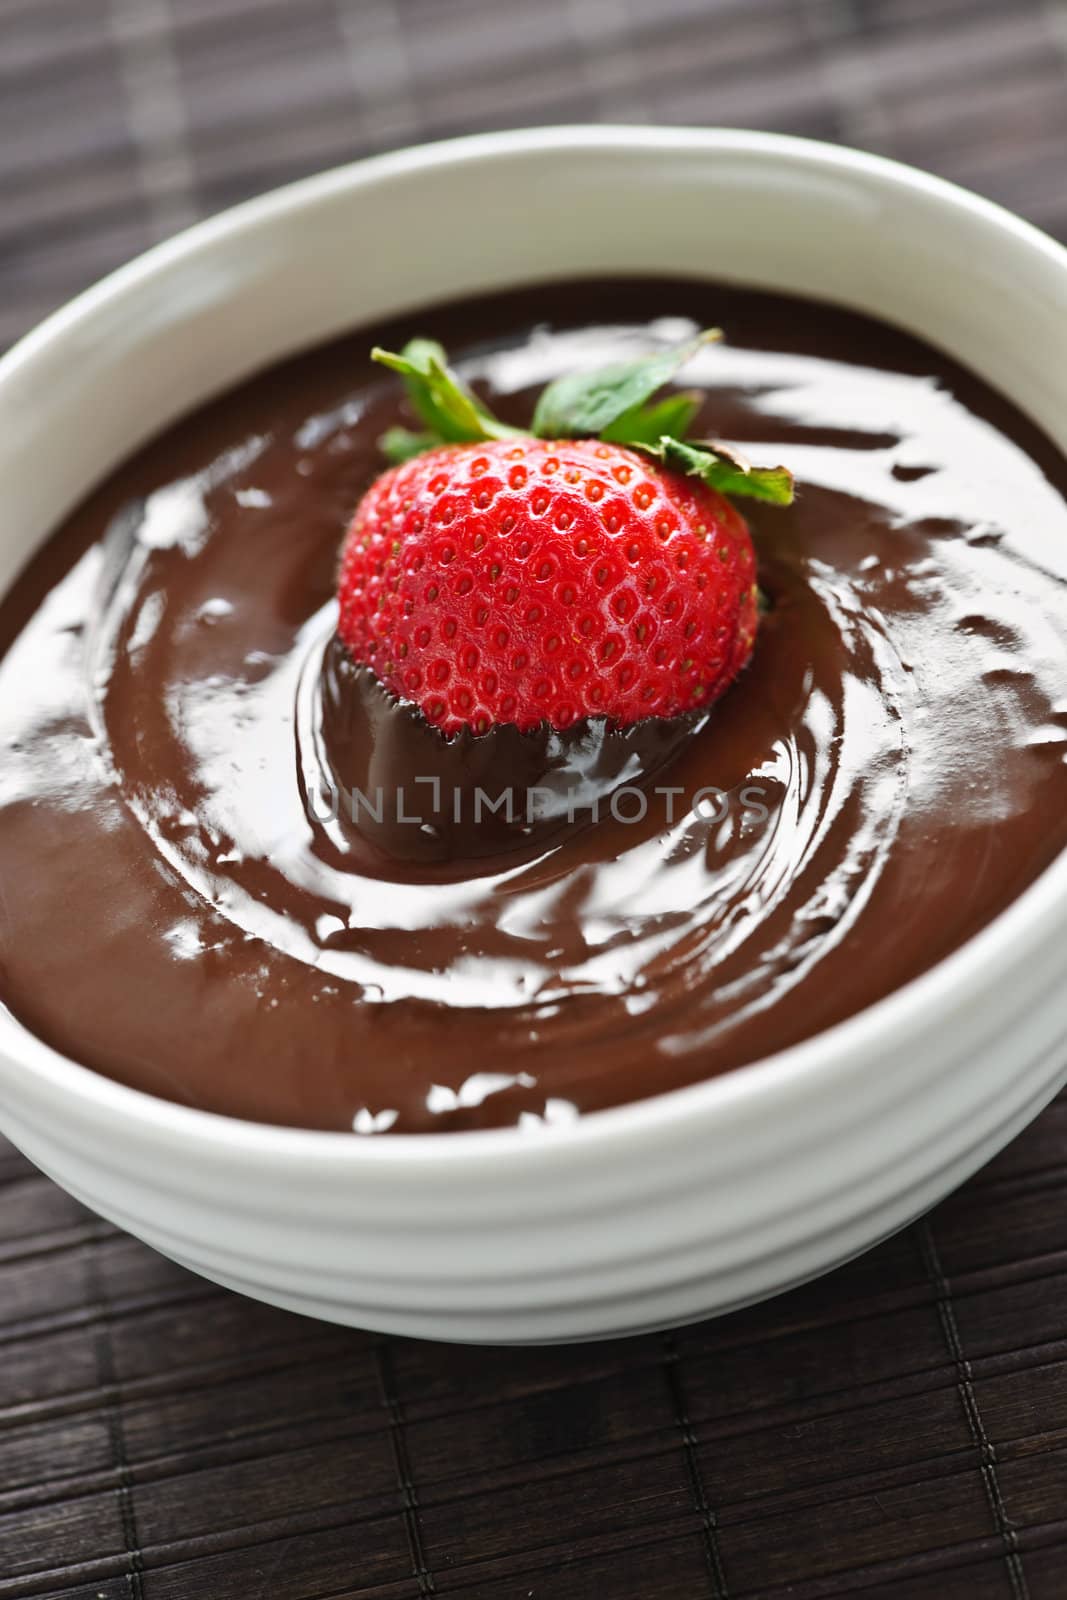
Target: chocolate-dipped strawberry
<point x="590" y="568"/>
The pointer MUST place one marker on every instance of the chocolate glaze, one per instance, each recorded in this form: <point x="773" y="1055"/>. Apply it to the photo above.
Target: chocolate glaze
<point x="182" y="910"/>
<point x="378" y="773"/>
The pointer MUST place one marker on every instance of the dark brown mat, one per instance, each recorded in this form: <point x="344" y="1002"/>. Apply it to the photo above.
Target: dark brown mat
<point x="897" y="1430"/>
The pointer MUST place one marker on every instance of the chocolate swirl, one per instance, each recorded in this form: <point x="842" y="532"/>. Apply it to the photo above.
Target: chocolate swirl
<point x="211" y="893"/>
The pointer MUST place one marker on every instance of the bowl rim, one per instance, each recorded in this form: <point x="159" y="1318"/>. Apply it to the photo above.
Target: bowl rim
<point x="821" y="1062"/>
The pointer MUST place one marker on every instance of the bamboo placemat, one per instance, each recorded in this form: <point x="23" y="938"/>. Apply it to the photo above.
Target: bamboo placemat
<point x="896" y="1430"/>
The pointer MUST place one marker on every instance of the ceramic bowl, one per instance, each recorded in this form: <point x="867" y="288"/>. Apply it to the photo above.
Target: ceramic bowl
<point x="699" y="1200"/>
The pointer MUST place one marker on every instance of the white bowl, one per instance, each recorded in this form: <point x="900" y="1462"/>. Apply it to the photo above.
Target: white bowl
<point x="699" y="1200"/>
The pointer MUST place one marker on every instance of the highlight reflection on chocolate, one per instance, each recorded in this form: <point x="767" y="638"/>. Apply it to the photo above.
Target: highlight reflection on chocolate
<point x="181" y="913"/>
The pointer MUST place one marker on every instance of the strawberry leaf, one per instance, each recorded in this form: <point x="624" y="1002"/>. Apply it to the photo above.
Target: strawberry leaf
<point x="648" y="424"/>
<point x="722" y="468"/>
<point x="581" y="405"/>
<point x="611" y="402"/>
<point x="400" y="444"/>
<point x="440" y="399"/>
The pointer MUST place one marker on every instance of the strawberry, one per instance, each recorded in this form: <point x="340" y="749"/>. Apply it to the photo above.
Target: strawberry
<point x="592" y="568"/>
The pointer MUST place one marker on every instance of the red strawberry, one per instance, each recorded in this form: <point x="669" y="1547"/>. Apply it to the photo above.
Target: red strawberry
<point x="496" y="576"/>
<point x="520" y="581"/>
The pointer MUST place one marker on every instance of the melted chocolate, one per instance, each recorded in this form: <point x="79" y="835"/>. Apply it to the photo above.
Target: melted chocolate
<point x="193" y="905"/>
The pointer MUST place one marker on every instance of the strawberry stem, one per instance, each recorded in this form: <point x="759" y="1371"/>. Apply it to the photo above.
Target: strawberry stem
<point x="611" y="403"/>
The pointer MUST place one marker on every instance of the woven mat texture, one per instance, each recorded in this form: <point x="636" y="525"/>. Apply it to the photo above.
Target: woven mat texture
<point x="896" y="1430"/>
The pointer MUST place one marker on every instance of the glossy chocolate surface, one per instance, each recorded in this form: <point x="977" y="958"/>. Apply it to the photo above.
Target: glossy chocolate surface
<point x="192" y="904"/>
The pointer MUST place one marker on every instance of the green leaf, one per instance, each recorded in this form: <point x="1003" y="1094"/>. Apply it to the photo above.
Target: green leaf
<point x="721" y="468"/>
<point x="400" y="444"/>
<point x="581" y="405"/>
<point x="441" y="400"/>
<point x="648" y="424"/>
